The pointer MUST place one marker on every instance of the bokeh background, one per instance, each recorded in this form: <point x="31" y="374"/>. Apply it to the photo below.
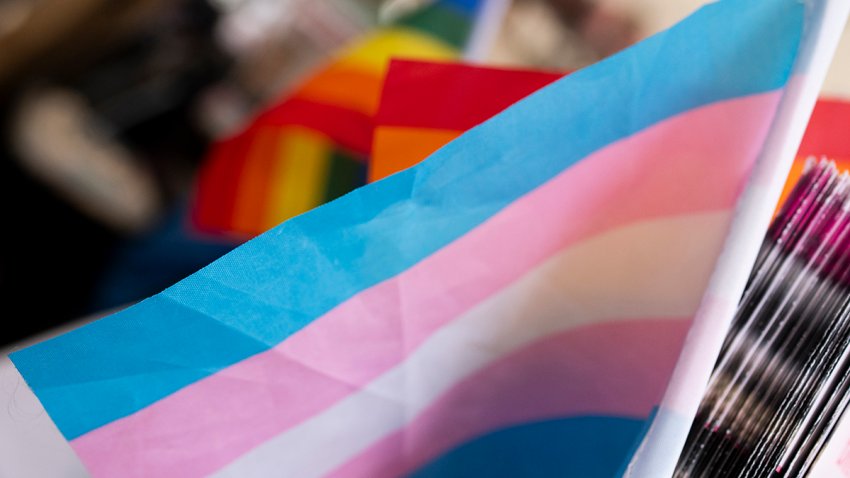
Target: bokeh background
<point x="108" y="108"/>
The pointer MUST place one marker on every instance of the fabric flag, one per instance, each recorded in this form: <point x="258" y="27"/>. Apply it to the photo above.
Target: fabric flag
<point x="512" y="306"/>
<point x="311" y="146"/>
<point x="424" y="105"/>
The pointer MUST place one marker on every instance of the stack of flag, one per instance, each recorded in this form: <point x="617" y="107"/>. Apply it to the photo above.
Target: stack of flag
<point x="827" y="136"/>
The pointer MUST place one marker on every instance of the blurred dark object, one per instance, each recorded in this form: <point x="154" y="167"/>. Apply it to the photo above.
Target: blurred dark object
<point x="49" y="37"/>
<point x="59" y="139"/>
<point x="97" y="110"/>
<point x="51" y="255"/>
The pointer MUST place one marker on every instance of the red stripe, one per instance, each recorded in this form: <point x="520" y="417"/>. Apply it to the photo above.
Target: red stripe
<point x="452" y="96"/>
<point x="349" y="129"/>
<point x="218" y="184"/>
<point x="829" y="130"/>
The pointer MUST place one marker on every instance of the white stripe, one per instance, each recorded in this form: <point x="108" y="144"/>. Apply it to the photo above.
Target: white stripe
<point x="654" y="269"/>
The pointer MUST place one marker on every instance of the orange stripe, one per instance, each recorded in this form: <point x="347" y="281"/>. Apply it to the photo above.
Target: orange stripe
<point x="397" y="148"/>
<point x="343" y="86"/>
<point x="300" y="176"/>
<point x="252" y="195"/>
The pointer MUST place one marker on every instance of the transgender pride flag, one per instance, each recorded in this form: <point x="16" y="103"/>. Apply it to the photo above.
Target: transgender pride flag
<point x="515" y="305"/>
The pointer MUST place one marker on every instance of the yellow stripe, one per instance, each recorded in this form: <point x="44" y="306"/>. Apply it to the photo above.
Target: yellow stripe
<point x="374" y="51"/>
<point x="300" y="176"/>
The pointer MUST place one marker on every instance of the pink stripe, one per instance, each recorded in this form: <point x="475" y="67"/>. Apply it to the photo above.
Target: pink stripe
<point x="584" y="371"/>
<point x="694" y="162"/>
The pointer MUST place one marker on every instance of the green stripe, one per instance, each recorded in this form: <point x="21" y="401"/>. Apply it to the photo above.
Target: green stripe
<point x="440" y="21"/>
<point x="347" y="173"/>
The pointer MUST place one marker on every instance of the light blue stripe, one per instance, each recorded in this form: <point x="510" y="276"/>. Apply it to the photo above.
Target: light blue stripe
<point x="583" y="447"/>
<point x="259" y="294"/>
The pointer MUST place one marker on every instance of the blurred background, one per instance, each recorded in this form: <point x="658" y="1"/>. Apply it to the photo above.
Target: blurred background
<point x="108" y="109"/>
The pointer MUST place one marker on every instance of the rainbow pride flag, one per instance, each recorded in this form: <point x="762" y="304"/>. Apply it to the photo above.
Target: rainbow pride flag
<point x="515" y="305"/>
<point x="425" y="105"/>
<point x="312" y="145"/>
<point x="420" y="112"/>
